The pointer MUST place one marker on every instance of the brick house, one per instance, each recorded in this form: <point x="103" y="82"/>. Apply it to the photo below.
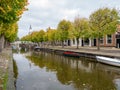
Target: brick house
<point x="118" y="37"/>
<point x="111" y="40"/>
<point x="107" y="41"/>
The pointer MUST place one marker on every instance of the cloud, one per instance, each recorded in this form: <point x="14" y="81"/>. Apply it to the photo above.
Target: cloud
<point x="48" y="13"/>
<point x="43" y="4"/>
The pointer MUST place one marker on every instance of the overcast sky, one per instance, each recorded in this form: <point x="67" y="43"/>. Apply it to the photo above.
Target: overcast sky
<point x="42" y="14"/>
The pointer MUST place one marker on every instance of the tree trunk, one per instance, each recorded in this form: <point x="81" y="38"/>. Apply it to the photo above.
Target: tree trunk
<point x="62" y="44"/>
<point x="98" y="46"/>
<point x="2" y="40"/>
<point x="53" y="43"/>
<point x="77" y="42"/>
<point x="6" y="44"/>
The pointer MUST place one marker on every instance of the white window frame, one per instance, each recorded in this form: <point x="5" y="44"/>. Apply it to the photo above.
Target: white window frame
<point x="107" y="39"/>
<point x="102" y="40"/>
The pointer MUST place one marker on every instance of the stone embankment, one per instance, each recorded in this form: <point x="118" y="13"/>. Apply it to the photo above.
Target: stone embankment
<point x="91" y="51"/>
<point x="6" y="70"/>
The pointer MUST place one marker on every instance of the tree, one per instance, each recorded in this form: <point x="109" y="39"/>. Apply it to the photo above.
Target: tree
<point x="10" y="13"/>
<point x="40" y="35"/>
<point x="80" y="30"/>
<point x="51" y="36"/>
<point x="26" y="38"/>
<point x="63" y="29"/>
<point x="103" y="22"/>
<point x="11" y="32"/>
<point x="11" y="10"/>
<point x="34" y="36"/>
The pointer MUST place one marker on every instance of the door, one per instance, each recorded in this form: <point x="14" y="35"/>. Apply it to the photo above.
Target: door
<point x="94" y="42"/>
<point x="118" y="43"/>
<point x="68" y="42"/>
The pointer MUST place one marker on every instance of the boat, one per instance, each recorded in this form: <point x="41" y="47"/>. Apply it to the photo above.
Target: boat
<point x="108" y="60"/>
<point x="71" y="54"/>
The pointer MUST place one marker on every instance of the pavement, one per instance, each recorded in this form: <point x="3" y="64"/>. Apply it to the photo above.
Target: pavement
<point x="6" y="70"/>
<point x="104" y="51"/>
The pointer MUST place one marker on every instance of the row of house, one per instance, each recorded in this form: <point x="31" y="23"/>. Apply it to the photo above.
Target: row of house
<point x="107" y="41"/>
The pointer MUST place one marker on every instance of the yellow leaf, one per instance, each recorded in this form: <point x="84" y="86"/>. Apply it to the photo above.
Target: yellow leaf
<point x="1" y="9"/>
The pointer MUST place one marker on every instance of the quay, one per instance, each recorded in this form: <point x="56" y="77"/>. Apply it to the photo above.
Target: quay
<point x="6" y="70"/>
<point x="89" y="52"/>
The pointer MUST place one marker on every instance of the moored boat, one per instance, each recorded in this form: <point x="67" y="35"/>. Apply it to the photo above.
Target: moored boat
<point x="109" y="61"/>
<point x="70" y="53"/>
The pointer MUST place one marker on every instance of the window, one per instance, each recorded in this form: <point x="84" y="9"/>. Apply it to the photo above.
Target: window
<point x="101" y="40"/>
<point x="109" y="39"/>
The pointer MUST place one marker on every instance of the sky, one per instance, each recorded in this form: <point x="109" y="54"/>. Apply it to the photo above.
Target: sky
<point x="42" y="14"/>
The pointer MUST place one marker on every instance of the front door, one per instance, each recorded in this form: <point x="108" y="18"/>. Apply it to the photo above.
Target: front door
<point x="94" y="42"/>
<point x="118" y="43"/>
<point x="68" y="42"/>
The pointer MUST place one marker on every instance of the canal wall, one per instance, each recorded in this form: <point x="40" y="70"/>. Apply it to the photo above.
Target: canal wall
<point x="86" y="52"/>
<point x="91" y="57"/>
<point x="6" y="70"/>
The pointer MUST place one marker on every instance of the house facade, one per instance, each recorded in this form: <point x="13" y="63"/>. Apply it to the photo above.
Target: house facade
<point x="118" y="37"/>
<point x="106" y="41"/>
<point x="82" y="42"/>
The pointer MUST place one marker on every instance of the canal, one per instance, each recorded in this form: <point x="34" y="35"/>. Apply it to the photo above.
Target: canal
<point x="48" y="71"/>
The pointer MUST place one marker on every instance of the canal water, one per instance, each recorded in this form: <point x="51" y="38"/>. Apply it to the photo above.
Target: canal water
<point x="48" y="71"/>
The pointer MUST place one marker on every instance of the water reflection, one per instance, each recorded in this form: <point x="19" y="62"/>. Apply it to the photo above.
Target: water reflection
<point x="81" y="74"/>
<point x="69" y="73"/>
<point x="15" y="69"/>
